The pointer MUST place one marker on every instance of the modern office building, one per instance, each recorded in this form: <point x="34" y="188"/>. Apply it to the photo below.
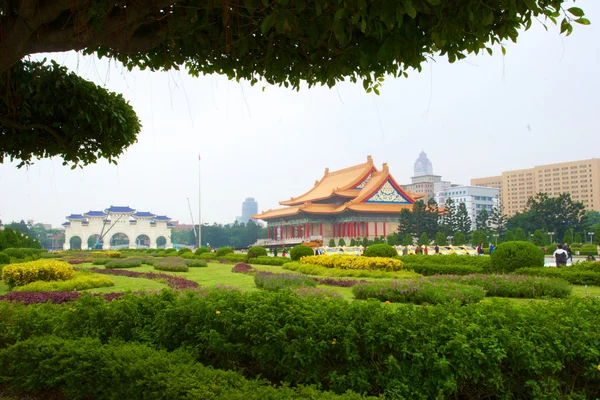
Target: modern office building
<point x="579" y="178"/>
<point x="476" y="199"/>
<point x="423" y="166"/>
<point x="249" y="208"/>
<point x="424" y="182"/>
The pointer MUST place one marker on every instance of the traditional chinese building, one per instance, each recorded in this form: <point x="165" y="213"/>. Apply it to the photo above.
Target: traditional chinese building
<point x="354" y="202"/>
<point x="117" y="227"/>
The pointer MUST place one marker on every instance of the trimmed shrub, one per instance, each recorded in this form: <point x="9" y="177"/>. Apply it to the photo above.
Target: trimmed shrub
<point x="188" y="255"/>
<point x="101" y="261"/>
<point x="446" y="259"/>
<point x="80" y="281"/>
<point x="233" y="258"/>
<point x="509" y="256"/>
<point x="201" y="250"/>
<point x="443" y="269"/>
<point x="354" y="262"/>
<point x="519" y="286"/>
<point x="41" y="270"/>
<point x="207" y="256"/>
<point x="170" y="251"/>
<point x="183" y="250"/>
<point x="242" y="268"/>
<point x="86" y="368"/>
<point x="257" y="251"/>
<point x="311" y="269"/>
<point x="4" y="258"/>
<point x="279" y="261"/>
<point x="273" y="282"/>
<point x="419" y="292"/>
<point x="573" y="275"/>
<point x="588" y="250"/>
<point x="23" y="253"/>
<point x="106" y="253"/>
<point x="551" y="249"/>
<point x="196" y="263"/>
<point x="171" y="267"/>
<point x="299" y="251"/>
<point x="224" y="250"/>
<point x="380" y="250"/>
<point x="175" y="282"/>
<point x="124" y="263"/>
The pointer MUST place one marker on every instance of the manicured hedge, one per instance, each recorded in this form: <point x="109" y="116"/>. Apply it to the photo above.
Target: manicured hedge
<point x="299" y="251"/>
<point x="480" y="262"/>
<point x="207" y="256"/>
<point x="23" y="253"/>
<point x="183" y="250"/>
<point x="257" y="251"/>
<point x="528" y="350"/>
<point x="273" y="282"/>
<point x="20" y="274"/>
<point x="224" y="250"/>
<point x="380" y="250"/>
<point x="79" y="281"/>
<point x="270" y="260"/>
<point x="509" y="256"/>
<point x="355" y="262"/>
<point x="311" y="269"/>
<point x="234" y="258"/>
<point x="4" y="258"/>
<point x="124" y="263"/>
<point x="444" y="269"/>
<point x="88" y="369"/>
<point x="573" y="275"/>
<point x="171" y="267"/>
<point x="196" y="263"/>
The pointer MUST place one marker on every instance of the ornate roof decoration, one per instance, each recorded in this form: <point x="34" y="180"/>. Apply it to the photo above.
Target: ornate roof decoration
<point x="361" y="188"/>
<point x="120" y="210"/>
<point x="144" y="214"/>
<point x="162" y="218"/>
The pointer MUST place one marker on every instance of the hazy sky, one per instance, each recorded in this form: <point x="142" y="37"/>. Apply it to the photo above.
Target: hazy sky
<point x="538" y="104"/>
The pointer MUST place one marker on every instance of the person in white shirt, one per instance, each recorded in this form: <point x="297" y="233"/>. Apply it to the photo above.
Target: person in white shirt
<point x="560" y="256"/>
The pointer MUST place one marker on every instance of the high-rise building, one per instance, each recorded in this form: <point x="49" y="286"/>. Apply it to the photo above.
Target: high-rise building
<point x="249" y="208"/>
<point x="423" y="166"/>
<point x="476" y="199"/>
<point x="579" y="178"/>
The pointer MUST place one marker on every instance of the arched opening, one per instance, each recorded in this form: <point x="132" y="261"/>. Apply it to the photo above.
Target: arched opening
<point x="119" y="241"/>
<point x="161" y="242"/>
<point x="75" y="243"/>
<point x="142" y="242"/>
<point x="92" y="241"/>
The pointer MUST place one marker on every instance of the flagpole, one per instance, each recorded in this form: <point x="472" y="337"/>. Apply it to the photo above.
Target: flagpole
<point x="199" y="204"/>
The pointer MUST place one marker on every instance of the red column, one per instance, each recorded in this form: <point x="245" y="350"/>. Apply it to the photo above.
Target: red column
<point x="384" y="230"/>
<point x="306" y="231"/>
<point x="321" y="228"/>
<point x="357" y="233"/>
<point x="367" y="229"/>
<point x="376" y="230"/>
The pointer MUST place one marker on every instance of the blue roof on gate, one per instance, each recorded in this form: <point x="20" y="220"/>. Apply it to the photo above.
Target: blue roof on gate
<point x="120" y="209"/>
<point x="75" y="216"/>
<point x="162" y="218"/>
<point x="144" y="214"/>
<point x="169" y="224"/>
<point x="95" y="214"/>
<point x="66" y="224"/>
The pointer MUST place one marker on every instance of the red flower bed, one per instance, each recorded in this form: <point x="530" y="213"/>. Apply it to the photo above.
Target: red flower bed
<point x="174" y="282"/>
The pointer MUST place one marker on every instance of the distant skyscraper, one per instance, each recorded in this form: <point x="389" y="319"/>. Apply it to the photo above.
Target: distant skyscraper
<point x="249" y="207"/>
<point x="423" y="166"/>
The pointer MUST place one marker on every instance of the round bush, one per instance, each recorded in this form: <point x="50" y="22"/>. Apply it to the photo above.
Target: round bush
<point x="224" y="250"/>
<point x="195" y="264"/>
<point x="4" y="258"/>
<point x="509" y="256"/>
<point x="183" y="250"/>
<point x="201" y="250"/>
<point x="551" y="249"/>
<point x="300" y="251"/>
<point x="257" y="251"/>
<point x="170" y="251"/>
<point x="380" y="250"/>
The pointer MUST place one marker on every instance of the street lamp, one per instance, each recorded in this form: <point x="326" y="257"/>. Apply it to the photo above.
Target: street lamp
<point x="199" y="204"/>
<point x="450" y="239"/>
<point x="551" y="237"/>
<point x="591" y="237"/>
<point x="496" y="236"/>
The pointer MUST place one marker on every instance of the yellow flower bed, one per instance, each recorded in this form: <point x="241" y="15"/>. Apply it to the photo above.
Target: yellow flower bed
<point x="354" y="262"/>
<point x="80" y="281"/>
<point x="40" y="270"/>
<point x="107" y="253"/>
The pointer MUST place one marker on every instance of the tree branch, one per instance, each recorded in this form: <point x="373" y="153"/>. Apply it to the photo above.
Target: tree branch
<point x="27" y="127"/>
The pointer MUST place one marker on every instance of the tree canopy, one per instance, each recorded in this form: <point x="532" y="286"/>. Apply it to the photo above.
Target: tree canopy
<point x="283" y="42"/>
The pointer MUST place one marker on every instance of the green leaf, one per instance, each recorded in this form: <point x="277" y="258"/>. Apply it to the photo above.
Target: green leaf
<point x="531" y="4"/>
<point x="409" y="8"/>
<point x="583" y="21"/>
<point x="503" y="50"/>
<point x="267" y="24"/>
<point x="564" y="25"/>
<point x="363" y="26"/>
<point x="489" y="51"/>
<point x="576" y="11"/>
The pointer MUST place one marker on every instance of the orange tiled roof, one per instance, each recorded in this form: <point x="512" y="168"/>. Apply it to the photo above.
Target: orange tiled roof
<point x="335" y="182"/>
<point x="358" y="198"/>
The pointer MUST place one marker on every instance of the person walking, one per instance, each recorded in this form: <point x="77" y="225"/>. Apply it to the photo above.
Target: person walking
<point x="437" y="249"/>
<point x="405" y="251"/>
<point x="425" y="250"/>
<point x="560" y="256"/>
<point x="283" y="252"/>
<point x="418" y="249"/>
<point x="569" y="252"/>
<point x="492" y="247"/>
<point x="480" y="249"/>
<point x="275" y="252"/>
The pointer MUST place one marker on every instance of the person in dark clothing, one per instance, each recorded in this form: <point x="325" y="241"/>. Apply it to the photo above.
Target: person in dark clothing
<point x="560" y="256"/>
<point x="275" y="252"/>
<point x="569" y="252"/>
<point x="437" y="249"/>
